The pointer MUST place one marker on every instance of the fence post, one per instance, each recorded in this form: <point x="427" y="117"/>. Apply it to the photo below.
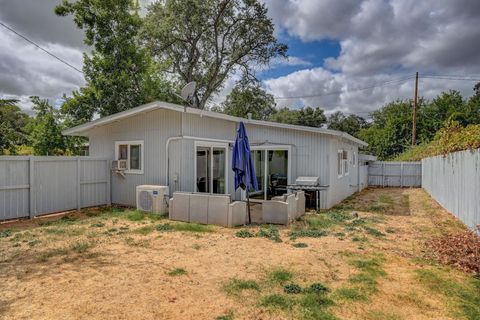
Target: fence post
<point x="79" y="201"/>
<point x="109" y="188"/>
<point x="401" y="175"/>
<point x="31" y="181"/>
<point x="383" y="174"/>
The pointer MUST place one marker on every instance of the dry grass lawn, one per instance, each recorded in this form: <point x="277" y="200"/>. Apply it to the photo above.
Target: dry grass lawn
<point x="118" y="264"/>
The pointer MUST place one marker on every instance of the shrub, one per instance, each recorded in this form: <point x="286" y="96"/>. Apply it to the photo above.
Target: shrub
<point x="164" y="227"/>
<point x="271" y="232"/>
<point x="6" y="233"/>
<point x="317" y="288"/>
<point x="292" y="288"/>
<point x="244" y="234"/>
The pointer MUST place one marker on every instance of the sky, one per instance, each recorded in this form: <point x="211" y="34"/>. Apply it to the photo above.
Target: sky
<point x="349" y="55"/>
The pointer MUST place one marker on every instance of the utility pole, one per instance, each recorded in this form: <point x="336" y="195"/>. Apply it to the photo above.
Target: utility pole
<point x="414" y="119"/>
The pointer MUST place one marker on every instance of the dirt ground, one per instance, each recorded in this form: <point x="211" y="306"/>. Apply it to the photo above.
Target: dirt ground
<point x="122" y="265"/>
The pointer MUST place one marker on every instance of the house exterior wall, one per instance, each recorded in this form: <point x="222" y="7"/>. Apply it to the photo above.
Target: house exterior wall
<point x="312" y="154"/>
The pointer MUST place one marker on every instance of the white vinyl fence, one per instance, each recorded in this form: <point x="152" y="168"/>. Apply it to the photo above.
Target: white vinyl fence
<point x="395" y="174"/>
<point x="454" y="181"/>
<point x="33" y="186"/>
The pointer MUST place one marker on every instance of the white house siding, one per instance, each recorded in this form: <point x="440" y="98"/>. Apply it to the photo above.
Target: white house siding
<point x="154" y="128"/>
<point x="313" y="154"/>
<point x="342" y="187"/>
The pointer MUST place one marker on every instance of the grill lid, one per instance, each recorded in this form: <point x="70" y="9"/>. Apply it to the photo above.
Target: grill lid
<point x="307" y="181"/>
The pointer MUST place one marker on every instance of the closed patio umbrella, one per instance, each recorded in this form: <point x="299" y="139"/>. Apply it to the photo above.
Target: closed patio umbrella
<point x="242" y="165"/>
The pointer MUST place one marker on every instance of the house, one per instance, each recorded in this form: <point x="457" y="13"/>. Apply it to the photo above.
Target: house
<point x="189" y="149"/>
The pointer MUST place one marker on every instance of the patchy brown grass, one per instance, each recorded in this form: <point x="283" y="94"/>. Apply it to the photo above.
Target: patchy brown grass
<point x="120" y="264"/>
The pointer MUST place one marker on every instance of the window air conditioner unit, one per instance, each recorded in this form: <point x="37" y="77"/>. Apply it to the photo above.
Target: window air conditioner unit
<point x="119" y="165"/>
<point x="152" y="198"/>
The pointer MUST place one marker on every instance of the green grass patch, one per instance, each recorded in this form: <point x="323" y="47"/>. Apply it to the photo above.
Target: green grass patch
<point x="276" y="301"/>
<point x="300" y="245"/>
<point x="228" y="316"/>
<point x="315" y="307"/>
<point x="279" y="275"/>
<point x="5" y="233"/>
<point x="359" y="239"/>
<point x="79" y="247"/>
<point x="144" y="230"/>
<point x="244" y="234"/>
<point x="374" y="232"/>
<point x="237" y="286"/>
<point x="354" y="294"/>
<point x="307" y="234"/>
<point x="177" y="272"/>
<point x="462" y="297"/>
<point x="97" y="225"/>
<point x="270" y="232"/>
<point x="135" y="216"/>
<point x="382" y="315"/>
<point x="390" y="230"/>
<point x="192" y="227"/>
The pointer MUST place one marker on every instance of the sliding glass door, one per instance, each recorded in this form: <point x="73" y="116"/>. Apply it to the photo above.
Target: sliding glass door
<point x="210" y="169"/>
<point x="272" y="170"/>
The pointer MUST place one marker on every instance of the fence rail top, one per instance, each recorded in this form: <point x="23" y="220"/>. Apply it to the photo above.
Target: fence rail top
<point x="51" y="158"/>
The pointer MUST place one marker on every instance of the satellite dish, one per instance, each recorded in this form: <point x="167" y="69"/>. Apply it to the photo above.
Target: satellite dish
<point x="188" y="91"/>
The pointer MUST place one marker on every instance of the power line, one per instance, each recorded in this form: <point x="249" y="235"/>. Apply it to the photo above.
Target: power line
<point x="41" y="48"/>
<point x="386" y="83"/>
<point x="460" y="78"/>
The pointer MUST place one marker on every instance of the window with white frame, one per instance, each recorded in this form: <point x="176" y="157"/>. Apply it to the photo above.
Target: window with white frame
<point x="354" y="159"/>
<point x="132" y="151"/>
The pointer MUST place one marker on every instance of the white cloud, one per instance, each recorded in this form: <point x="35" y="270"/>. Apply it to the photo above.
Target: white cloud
<point x="380" y="40"/>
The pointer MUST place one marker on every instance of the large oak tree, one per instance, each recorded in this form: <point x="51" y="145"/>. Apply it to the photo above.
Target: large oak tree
<point x="208" y="40"/>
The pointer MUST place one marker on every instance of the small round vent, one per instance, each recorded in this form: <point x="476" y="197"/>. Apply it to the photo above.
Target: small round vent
<point x="146" y="201"/>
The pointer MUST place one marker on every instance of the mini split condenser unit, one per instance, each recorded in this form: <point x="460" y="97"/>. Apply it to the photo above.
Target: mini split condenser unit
<point x="152" y="198"/>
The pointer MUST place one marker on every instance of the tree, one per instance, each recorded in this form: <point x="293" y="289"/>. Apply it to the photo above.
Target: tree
<point x="310" y="117"/>
<point x="206" y="41"/>
<point x="350" y="124"/>
<point x="12" y="125"/>
<point x="247" y="97"/>
<point x="391" y="130"/>
<point x="46" y="130"/>
<point x="120" y="74"/>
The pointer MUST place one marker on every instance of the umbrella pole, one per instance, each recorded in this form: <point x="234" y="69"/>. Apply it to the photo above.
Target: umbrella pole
<point x="248" y="209"/>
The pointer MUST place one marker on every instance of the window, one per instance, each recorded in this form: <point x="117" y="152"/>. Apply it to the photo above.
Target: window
<point x="340" y="163"/>
<point x="345" y="163"/>
<point x="354" y="159"/>
<point x="210" y="167"/>
<point x="132" y="151"/>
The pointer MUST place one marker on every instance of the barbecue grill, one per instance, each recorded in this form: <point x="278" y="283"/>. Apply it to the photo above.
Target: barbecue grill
<point x="311" y="185"/>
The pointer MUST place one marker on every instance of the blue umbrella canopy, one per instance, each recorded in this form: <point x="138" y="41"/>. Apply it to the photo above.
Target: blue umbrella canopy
<point x="242" y="163"/>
